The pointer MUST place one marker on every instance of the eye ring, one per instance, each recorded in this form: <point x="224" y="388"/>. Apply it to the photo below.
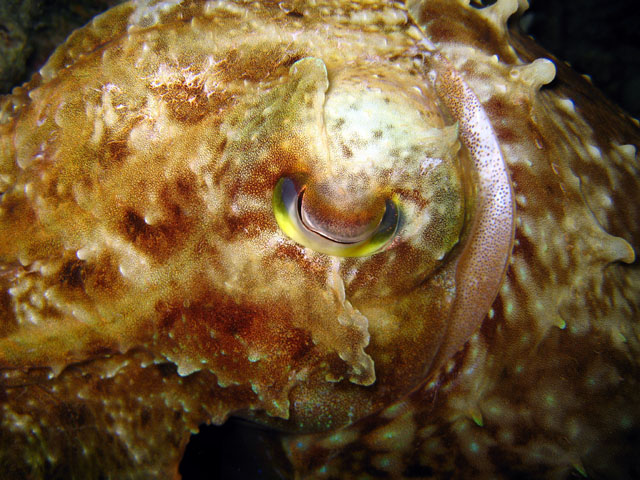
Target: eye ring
<point x="287" y="207"/>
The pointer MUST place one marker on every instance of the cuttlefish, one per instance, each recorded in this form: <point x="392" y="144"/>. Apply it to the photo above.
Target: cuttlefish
<point x="395" y="233"/>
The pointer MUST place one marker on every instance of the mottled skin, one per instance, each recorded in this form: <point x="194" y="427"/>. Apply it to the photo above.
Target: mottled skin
<point x="147" y="288"/>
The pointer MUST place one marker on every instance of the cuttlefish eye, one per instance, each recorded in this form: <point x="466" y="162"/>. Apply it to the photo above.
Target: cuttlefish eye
<point x="324" y="235"/>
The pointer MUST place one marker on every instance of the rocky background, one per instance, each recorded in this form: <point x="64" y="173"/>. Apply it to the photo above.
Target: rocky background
<point x="31" y="29"/>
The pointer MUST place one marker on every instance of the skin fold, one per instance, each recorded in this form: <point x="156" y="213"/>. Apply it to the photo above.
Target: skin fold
<point x="155" y="275"/>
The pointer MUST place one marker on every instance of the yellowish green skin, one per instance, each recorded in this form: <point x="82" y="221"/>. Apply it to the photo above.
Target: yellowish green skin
<point x="151" y="278"/>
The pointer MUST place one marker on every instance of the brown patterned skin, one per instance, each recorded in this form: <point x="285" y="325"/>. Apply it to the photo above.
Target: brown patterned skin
<point x="146" y="287"/>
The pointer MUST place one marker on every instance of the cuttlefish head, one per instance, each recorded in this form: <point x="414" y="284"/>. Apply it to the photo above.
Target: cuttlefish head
<point x="316" y="230"/>
<point x="370" y="196"/>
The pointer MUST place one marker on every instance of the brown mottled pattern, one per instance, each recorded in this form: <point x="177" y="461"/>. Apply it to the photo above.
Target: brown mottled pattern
<point x="146" y="288"/>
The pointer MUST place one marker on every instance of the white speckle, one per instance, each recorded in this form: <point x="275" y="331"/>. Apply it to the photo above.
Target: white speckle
<point x="521" y="200"/>
<point x="567" y="105"/>
<point x="605" y="199"/>
<point x="429" y="163"/>
<point x="148" y="13"/>
<point x="628" y="151"/>
<point x="28" y="190"/>
<point x="594" y="152"/>
<point x="82" y="253"/>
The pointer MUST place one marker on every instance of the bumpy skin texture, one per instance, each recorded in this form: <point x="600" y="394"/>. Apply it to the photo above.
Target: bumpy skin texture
<point x="146" y="287"/>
